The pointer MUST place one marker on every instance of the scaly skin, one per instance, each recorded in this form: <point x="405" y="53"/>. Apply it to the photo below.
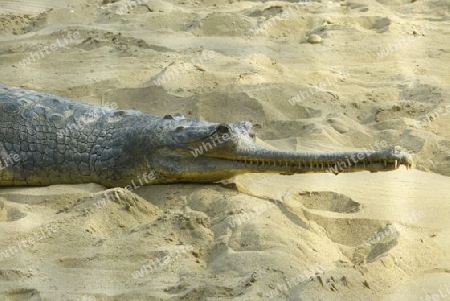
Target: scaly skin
<point x="55" y="140"/>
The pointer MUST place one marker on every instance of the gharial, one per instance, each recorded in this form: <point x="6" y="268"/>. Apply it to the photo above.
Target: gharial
<point x="60" y="141"/>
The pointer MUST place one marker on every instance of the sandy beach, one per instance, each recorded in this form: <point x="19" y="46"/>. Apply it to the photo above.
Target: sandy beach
<point x="317" y="76"/>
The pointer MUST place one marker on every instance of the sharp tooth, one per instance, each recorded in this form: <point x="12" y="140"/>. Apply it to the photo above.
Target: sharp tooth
<point x="385" y="163"/>
<point x="396" y="164"/>
<point x="310" y="164"/>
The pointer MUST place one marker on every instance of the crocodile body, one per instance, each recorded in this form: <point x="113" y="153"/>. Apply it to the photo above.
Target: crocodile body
<point x="46" y="139"/>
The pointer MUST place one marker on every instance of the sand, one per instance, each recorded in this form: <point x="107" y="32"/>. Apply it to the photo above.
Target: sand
<point x="381" y="69"/>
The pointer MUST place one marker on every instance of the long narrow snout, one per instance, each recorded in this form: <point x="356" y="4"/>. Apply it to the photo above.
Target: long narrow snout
<point x="263" y="160"/>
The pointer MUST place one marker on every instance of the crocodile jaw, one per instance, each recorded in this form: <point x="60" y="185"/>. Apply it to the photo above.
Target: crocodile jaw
<point x="221" y="165"/>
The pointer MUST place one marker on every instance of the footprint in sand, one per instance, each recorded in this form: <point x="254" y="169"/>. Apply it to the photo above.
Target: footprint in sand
<point x="329" y="201"/>
<point x="9" y="214"/>
<point x="363" y="240"/>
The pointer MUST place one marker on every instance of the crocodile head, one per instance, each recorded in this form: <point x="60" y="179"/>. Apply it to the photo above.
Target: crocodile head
<point x="195" y="151"/>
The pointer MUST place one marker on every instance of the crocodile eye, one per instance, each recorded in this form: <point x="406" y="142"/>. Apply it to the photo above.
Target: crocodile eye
<point x="223" y="129"/>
